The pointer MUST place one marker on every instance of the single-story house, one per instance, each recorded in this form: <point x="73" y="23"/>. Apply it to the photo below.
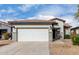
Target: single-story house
<point x="75" y="30"/>
<point x="38" y="30"/>
<point x="5" y="27"/>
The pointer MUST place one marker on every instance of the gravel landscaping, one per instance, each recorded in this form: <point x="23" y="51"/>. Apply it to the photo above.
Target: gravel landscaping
<point x="63" y="48"/>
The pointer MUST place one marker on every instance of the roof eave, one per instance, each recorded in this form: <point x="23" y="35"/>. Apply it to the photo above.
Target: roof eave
<point x="32" y="23"/>
<point x="58" y="19"/>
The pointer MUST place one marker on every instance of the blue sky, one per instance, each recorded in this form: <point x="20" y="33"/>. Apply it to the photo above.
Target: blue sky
<point x="38" y="11"/>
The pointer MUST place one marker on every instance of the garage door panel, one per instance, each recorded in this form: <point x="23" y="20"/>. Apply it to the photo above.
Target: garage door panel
<point x="32" y="34"/>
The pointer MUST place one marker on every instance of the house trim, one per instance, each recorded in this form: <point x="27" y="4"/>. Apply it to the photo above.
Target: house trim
<point x="16" y="34"/>
<point x="32" y="27"/>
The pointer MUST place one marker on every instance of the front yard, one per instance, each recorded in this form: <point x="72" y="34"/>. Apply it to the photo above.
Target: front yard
<point x="39" y="48"/>
<point x="63" y="48"/>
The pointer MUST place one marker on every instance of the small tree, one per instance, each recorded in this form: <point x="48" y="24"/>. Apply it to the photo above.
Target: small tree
<point x="6" y="35"/>
<point x="75" y="37"/>
<point x="77" y="13"/>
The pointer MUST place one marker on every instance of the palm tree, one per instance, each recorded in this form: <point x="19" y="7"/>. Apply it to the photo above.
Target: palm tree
<point x="77" y="13"/>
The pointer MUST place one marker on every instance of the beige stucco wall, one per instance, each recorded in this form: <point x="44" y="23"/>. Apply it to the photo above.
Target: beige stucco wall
<point x="77" y="31"/>
<point x="67" y="31"/>
<point x="5" y="27"/>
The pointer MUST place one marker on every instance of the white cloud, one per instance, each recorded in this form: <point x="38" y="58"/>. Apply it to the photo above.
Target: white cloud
<point x="8" y="15"/>
<point x="68" y="18"/>
<point x="41" y="17"/>
<point x="26" y="7"/>
<point x="57" y="10"/>
<point x="71" y="20"/>
<point x="9" y="10"/>
<point x="52" y="10"/>
<point x="3" y="10"/>
<point x="0" y="15"/>
<point x="5" y="20"/>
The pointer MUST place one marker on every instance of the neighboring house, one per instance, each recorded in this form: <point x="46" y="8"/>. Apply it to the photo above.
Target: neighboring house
<point x="5" y="27"/>
<point x="38" y="30"/>
<point x="75" y="30"/>
<point x="67" y="31"/>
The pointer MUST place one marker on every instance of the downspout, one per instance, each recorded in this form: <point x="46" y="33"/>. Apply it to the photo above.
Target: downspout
<point x="52" y="32"/>
<point x="11" y="32"/>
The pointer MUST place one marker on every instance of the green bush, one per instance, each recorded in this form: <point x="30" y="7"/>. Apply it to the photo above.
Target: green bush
<point x="67" y="36"/>
<point x="75" y="40"/>
<point x="6" y="35"/>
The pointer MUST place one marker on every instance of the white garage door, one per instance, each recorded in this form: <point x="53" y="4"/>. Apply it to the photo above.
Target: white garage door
<point x="33" y="35"/>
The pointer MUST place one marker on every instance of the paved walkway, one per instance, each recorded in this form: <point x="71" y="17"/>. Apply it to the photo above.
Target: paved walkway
<point x="25" y="48"/>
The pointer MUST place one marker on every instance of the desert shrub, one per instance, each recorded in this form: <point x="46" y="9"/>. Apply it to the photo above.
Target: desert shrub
<point x="67" y="36"/>
<point x="6" y="35"/>
<point x="75" y="40"/>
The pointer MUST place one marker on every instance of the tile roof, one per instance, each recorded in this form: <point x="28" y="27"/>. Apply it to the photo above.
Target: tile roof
<point x="58" y="19"/>
<point x="6" y="24"/>
<point x="67" y="25"/>
<point x="75" y="28"/>
<point x="32" y="21"/>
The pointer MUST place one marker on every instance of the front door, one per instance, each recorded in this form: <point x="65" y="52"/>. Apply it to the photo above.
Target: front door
<point x="56" y="34"/>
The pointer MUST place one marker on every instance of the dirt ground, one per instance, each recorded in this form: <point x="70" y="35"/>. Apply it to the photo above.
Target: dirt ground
<point x="63" y="48"/>
<point x="5" y="42"/>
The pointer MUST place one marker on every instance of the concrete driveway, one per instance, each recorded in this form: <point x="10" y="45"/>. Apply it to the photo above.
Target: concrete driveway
<point x="25" y="48"/>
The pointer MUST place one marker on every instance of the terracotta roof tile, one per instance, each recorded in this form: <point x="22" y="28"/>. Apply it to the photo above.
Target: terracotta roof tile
<point x="6" y="24"/>
<point x="67" y="25"/>
<point x="58" y="19"/>
<point x="33" y="21"/>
